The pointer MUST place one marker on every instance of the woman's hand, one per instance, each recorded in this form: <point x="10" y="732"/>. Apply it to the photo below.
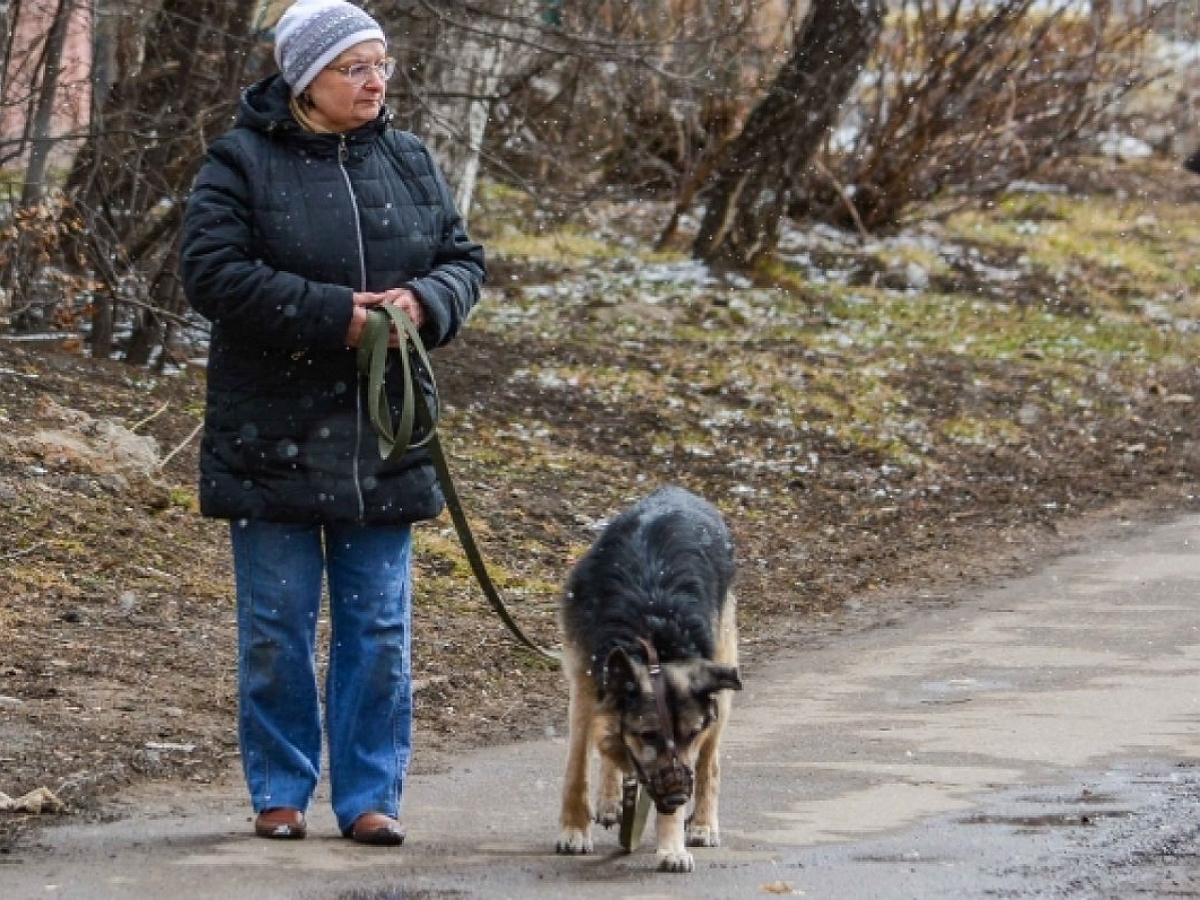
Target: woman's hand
<point x="407" y="301"/>
<point x="365" y="301"/>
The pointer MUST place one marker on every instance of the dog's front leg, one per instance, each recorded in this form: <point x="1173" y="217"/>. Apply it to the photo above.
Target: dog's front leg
<point x="673" y="856"/>
<point x="608" y="792"/>
<point x="575" y="819"/>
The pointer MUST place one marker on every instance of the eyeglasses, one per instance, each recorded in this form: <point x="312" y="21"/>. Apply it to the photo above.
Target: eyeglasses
<point x="358" y="73"/>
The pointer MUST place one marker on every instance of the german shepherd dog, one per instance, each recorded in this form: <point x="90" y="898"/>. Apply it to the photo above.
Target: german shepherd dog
<point x="650" y="655"/>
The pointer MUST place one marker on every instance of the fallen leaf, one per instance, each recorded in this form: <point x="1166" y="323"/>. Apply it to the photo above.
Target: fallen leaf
<point x="39" y="800"/>
<point x="781" y="887"/>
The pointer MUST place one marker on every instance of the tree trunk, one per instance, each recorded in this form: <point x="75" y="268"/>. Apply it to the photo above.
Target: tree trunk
<point x="755" y="181"/>
<point x="459" y="118"/>
<point x="8" y="20"/>
<point x="41" y="141"/>
<point x="103" y="331"/>
<point x="475" y="48"/>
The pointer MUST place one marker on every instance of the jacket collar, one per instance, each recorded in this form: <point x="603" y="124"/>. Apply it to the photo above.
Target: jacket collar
<point x="264" y="107"/>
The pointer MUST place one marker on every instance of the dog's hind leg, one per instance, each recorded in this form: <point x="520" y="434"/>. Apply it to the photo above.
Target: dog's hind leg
<point x="702" y="828"/>
<point x="575" y="819"/>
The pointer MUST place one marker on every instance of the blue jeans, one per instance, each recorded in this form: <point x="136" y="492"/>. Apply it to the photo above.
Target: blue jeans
<point x="368" y="685"/>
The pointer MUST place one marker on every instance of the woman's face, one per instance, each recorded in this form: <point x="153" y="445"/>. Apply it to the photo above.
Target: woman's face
<point x="340" y="104"/>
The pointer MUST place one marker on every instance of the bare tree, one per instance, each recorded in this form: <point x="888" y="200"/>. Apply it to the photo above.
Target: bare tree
<point x="754" y="182"/>
<point x="728" y="102"/>
<point x="40" y="138"/>
<point x="176" y="82"/>
<point x="455" y="70"/>
<point x="963" y="99"/>
<point x="7" y="13"/>
<point x="594" y="96"/>
<point x="44" y="55"/>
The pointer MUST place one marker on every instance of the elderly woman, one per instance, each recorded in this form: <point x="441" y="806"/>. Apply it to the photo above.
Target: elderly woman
<point x="310" y="211"/>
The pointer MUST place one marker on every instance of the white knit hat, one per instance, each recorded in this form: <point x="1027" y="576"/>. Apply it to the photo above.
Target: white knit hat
<point x="312" y="33"/>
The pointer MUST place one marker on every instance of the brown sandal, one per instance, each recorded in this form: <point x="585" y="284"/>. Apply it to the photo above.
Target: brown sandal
<point x="376" y="829"/>
<point x="282" y="823"/>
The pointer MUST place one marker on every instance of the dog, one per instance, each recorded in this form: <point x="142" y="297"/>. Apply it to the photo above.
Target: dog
<point x="650" y="653"/>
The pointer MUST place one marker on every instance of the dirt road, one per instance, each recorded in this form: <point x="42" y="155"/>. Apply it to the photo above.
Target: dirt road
<point x="1039" y="739"/>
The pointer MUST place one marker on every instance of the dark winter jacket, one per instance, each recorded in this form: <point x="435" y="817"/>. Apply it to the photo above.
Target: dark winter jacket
<point x="282" y="227"/>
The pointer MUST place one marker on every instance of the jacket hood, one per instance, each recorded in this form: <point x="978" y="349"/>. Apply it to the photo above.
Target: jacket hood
<point x="264" y="107"/>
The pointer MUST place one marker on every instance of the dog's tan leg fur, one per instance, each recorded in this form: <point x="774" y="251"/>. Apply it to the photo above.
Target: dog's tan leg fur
<point x="703" y="829"/>
<point x="575" y="818"/>
<point x="673" y="856"/>
<point x="608" y="791"/>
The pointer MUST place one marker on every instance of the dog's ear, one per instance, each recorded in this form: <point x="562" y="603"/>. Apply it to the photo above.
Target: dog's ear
<point x="715" y="677"/>
<point x="620" y="680"/>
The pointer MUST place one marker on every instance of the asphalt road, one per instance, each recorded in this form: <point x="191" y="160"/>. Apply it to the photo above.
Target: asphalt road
<point x="1036" y="739"/>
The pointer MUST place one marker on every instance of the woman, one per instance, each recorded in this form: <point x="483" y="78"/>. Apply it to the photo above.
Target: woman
<point x="307" y="213"/>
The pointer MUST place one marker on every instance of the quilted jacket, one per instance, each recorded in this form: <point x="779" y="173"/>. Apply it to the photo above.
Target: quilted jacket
<point x="282" y="227"/>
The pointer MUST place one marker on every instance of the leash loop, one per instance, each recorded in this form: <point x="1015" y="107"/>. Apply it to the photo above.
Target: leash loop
<point x="416" y="412"/>
<point x="373" y="357"/>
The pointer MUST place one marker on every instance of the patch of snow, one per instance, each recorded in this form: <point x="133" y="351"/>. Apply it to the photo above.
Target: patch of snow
<point x="1036" y="187"/>
<point x="41" y="336"/>
<point x="684" y="272"/>
<point x="1124" y="146"/>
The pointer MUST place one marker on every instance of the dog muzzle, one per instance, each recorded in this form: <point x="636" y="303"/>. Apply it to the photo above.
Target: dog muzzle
<point x="670" y="785"/>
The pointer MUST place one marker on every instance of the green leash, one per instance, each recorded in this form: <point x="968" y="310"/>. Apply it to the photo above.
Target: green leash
<point x="396" y="440"/>
<point x="635" y="810"/>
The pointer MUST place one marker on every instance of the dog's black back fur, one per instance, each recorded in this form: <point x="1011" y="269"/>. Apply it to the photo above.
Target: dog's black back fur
<point x="661" y="570"/>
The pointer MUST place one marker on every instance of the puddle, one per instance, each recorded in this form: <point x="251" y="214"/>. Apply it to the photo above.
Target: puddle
<point x="1047" y="820"/>
<point x="392" y="893"/>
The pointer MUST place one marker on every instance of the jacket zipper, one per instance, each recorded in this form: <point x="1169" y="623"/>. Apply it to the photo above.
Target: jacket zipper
<point x="342" y="155"/>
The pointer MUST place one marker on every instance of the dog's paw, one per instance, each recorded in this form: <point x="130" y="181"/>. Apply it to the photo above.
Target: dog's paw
<point x="574" y="841"/>
<point x="608" y="813"/>
<point x="675" y="861"/>
<point x="703" y="836"/>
